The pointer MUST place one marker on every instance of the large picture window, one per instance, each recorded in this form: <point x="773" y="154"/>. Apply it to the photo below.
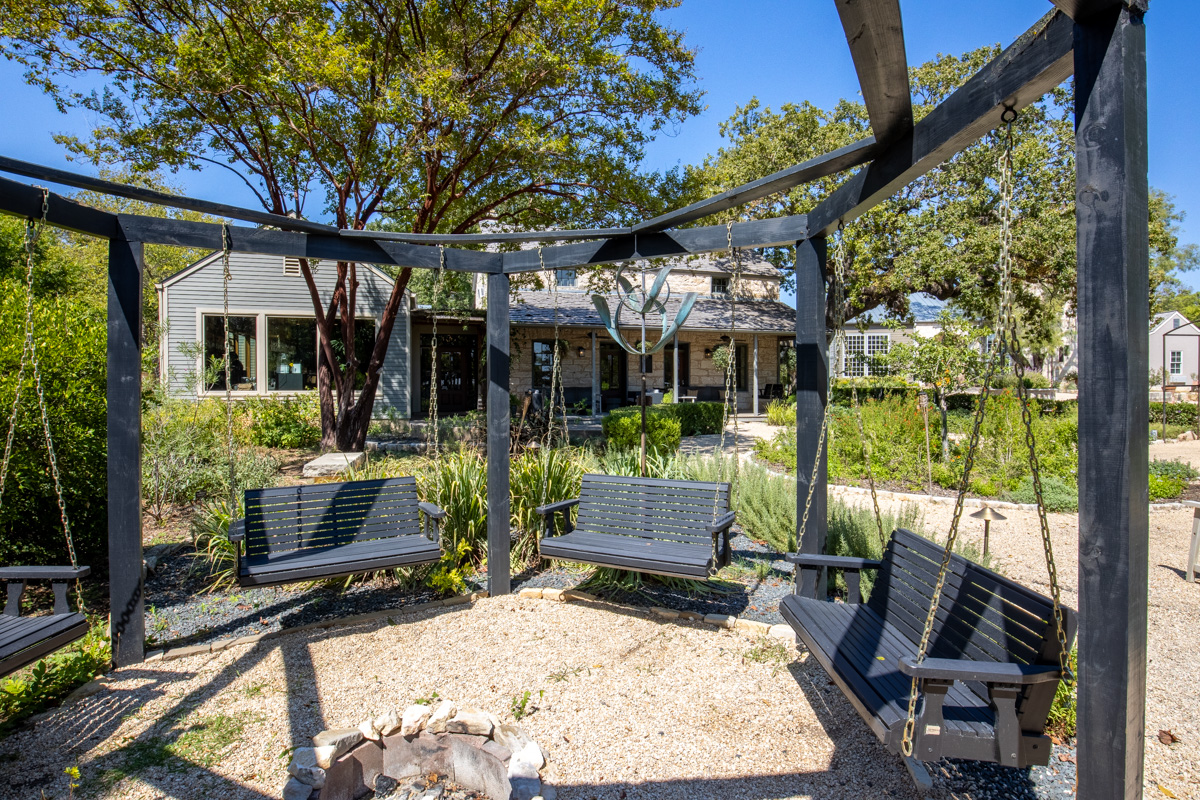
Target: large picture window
<point x="291" y="354"/>
<point x="243" y="353"/>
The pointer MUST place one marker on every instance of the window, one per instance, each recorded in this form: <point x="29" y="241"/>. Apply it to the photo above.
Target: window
<point x="565" y="278"/>
<point x="647" y="363"/>
<point x="786" y="374"/>
<point x="291" y="354"/>
<point x="543" y="363"/>
<point x="1176" y="362"/>
<point x="877" y="345"/>
<point x="243" y="353"/>
<point x="740" y="367"/>
<point x="685" y="367"/>
<point x="1175" y="323"/>
<point x="720" y="287"/>
<point x="856" y="361"/>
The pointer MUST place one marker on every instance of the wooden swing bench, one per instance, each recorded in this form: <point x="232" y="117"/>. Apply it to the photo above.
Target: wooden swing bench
<point x="330" y="530"/>
<point x="988" y="682"/>
<point x="664" y="527"/>
<point x="24" y="640"/>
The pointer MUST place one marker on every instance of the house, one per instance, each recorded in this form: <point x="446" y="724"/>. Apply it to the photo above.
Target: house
<point x="1174" y="350"/>
<point x="272" y="329"/>
<point x="868" y="336"/>
<point x="275" y="337"/>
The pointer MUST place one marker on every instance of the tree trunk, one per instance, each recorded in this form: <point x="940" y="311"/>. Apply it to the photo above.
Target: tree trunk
<point x="945" y="429"/>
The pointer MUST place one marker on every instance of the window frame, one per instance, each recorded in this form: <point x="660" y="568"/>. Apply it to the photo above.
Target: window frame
<point x="712" y="286"/>
<point x="558" y="281"/>
<point x="1175" y="363"/>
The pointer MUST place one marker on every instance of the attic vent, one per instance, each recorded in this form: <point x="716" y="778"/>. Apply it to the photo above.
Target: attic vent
<point x="291" y="266"/>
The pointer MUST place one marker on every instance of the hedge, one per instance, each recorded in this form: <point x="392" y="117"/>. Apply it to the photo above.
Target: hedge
<point x="694" y="419"/>
<point x="624" y="432"/>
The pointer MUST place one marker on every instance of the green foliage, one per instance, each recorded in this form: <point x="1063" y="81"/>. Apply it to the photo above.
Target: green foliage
<point x="779" y="450"/>
<point x="456" y="482"/>
<point x="769" y="651"/>
<point x="896" y="441"/>
<point x="537" y="479"/>
<point x="1177" y="414"/>
<point x="46" y="682"/>
<point x="780" y="412"/>
<point x="1061" y="720"/>
<point x="697" y="419"/>
<point x="1057" y="493"/>
<point x="1169" y="478"/>
<point x="210" y="532"/>
<point x="520" y="704"/>
<point x="70" y="337"/>
<point x="291" y="422"/>
<point x="623" y="431"/>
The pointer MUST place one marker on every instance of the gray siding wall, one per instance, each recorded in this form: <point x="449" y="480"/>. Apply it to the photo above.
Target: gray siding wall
<point x="259" y="285"/>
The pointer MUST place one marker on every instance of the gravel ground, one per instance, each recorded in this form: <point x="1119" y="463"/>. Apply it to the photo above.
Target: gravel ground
<point x="627" y="706"/>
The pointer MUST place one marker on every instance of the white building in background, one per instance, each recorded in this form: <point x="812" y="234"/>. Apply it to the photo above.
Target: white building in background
<point x="1174" y="349"/>
<point x="868" y="337"/>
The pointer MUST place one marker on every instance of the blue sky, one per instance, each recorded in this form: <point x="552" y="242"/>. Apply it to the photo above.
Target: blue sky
<point x="781" y="51"/>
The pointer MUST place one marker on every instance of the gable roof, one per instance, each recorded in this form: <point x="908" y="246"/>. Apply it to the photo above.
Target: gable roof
<point x="215" y="256"/>
<point x="923" y="308"/>
<point x="708" y="314"/>
<point x="1161" y="318"/>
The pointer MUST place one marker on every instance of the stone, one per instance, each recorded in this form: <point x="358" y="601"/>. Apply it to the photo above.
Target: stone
<point x="476" y="769"/>
<point x="549" y="792"/>
<point x="295" y="790"/>
<point x="575" y="594"/>
<point x="530" y="594"/>
<point x="511" y="737"/>
<point x="691" y="616"/>
<point x="88" y="689"/>
<point x="498" y="751"/>
<point x="341" y="739"/>
<point x="1187" y="436"/>
<point x="331" y="464"/>
<point x="440" y="715"/>
<point x="457" y="600"/>
<point x="388" y="723"/>
<point x="552" y="594"/>
<point x="720" y="620"/>
<point x="367" y="728"/>
<point x="530" y="754"/>
<point x="753" y="627"/>
<point x="783" y="633"/>
<point x="312" y="776"/>
<point x="521" y="769"/>
<point x="387" y="788"/>
<point x="424" y="753"/>
<point x="325" y="756"/>
<point x="665" y="613"/>
<point x="470" y="721"/>
<point x="414" y="719"/>
<point x="469" y="740"/>
<point x="525" y="788"/>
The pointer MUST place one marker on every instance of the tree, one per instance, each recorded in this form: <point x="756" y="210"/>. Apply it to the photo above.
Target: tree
<point x="430" y="115"/>
<point x="948" y="362"/>
<point x="1168" y="259"/>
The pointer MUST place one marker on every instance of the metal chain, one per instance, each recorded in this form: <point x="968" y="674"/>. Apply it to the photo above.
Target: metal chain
<point x="730" y="386"/>
<point x="226" y="277"/>
<point x="432" y="437"/>
<point x="557" y="395"/>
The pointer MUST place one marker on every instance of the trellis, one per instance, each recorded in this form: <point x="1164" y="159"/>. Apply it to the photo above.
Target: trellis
<point x="1100" y="42"/>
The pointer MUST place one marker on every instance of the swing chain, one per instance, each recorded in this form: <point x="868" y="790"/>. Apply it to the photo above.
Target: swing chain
<point x="226" y="277"/>
<point x="730" y="371"/>
<point x="557" y="395"/>
<point x="432" y="438"/>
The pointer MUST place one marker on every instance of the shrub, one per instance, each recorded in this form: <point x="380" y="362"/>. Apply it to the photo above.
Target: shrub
<point x="1170" y="478"/>
<point x="292" y="422"/>
<point x="780" y="449"/>
<point x="1177" y="414"/>
<point x="781" y="413"/>
<point x="1162" y="488"/>
<point x="535" y="479"/>
<point x="210" y="532"/>
<point x="456" y="482"/>
<point x="854" y="532"/>
<point x="698" y="419"/>
<point x="624" y="431"/>
<point x="1058" y="494"/>
<point x="896" y="437"/>
<point x="70" y="338"/>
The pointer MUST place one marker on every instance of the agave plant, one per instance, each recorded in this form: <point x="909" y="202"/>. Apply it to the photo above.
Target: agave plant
<point x="210" y="532"/>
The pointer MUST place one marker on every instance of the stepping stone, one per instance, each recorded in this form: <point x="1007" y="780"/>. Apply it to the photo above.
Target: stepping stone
<point x="332" y="464"/>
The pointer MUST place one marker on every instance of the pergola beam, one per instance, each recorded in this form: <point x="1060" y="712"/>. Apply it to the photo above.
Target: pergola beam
<point x="876" y="37"/>
<point x="1082" y="9"/>
<point x="23" y="200"/>
<point x="1031" y="66"/>
<point x="773" y="232"/>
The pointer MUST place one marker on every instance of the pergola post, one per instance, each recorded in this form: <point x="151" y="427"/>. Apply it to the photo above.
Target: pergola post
<point x="812" y="375"/>
<point x="754" y="387"/>
<point x="597" y="410"/>
<point x="498" y="436"/>
<point x="127" y="622"/>
<point x="1112" y="215"/>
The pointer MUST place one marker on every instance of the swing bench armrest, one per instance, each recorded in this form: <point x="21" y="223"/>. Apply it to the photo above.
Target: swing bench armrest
<point x="723" y="522"/>
<point x="953" y="669"/>
<point x="432" y="511"/>
<point x="834" y="562"/>
<point x="43" y="573"/>
<point x="551" y="508"/>
<point x="237" y="531"/>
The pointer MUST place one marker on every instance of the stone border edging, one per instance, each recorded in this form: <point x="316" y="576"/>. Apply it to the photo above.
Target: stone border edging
<point x="972" y="502"/>
<point x="781" y="631"/>
<point x="357" y="619"/>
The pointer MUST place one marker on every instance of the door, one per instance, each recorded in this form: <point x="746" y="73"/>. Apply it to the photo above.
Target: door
<point x="613" y="376"/>
<point x="685" y="367"/>
<point x="456" y="373"/>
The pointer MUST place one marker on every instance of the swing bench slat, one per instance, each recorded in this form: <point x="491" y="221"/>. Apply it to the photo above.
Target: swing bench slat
<point x="663" y="527"/>
<point x="24" y="640"/>
<point x="331" y="530"/>
<point x="992" y="669"/>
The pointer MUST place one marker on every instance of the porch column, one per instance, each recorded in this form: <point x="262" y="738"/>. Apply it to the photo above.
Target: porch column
<point x="127" y="622"/>
<point x="675" y="373"/>
<point x="1111" y="217"/>
<point x="498" y="434"/>
<point x="755" y="386"/>
<point x="812" y="371"/>
<point x="596" y="410"/>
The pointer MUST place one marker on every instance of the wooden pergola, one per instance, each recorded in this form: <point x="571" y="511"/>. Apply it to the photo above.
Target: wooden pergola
<point x="1100" y="42"/>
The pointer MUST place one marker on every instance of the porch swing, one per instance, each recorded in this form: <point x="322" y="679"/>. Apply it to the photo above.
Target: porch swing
<point x="658" y="526"/>
<point x="946" y="658"/>
<point x="24" y="640"/>
<point x="329" y="530"/>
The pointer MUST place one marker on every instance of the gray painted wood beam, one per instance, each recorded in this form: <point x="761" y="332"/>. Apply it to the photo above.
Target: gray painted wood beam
<point x="1111" y="217"/>
<point x="488" y="238"/>
<point x="774" y="232"/>
<point x="1037" y="62"/>
<point x="186" y="233"/>
<point x="22" y="200"/>
<point x="124" y="396"/>
<point x="812" y="376"/>
<point x="828" y="164"/>
<point x="498" y="436"/>
<point x="1082" y="9"/>
<point x="876" y="37"/>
